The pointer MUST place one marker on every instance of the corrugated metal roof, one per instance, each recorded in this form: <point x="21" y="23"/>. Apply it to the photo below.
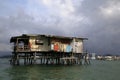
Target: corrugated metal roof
<point x="51" y="36"/>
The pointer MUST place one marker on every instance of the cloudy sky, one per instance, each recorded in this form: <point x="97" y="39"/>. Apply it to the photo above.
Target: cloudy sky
<point x="97" y="20"/>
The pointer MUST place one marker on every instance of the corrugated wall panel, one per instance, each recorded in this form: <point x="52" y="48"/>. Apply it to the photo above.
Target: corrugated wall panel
<point x="77" y="46"/>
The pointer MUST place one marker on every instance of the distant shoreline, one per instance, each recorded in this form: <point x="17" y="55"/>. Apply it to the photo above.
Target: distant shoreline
<point x="5" y="56"/>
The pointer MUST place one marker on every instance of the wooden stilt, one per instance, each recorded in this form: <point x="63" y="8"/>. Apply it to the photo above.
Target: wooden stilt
<point x="17" y="59"/>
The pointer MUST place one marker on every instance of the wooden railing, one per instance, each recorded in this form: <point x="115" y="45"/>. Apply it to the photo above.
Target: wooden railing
<point x="22" y="48"/>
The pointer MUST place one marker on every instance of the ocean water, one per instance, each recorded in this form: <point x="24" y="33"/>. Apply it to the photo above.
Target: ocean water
<point x="98" y="70"/>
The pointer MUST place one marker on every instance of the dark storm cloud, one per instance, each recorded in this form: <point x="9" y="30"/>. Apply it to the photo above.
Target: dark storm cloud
<point x="95" y="19"/>
<point x="104" y="32"/>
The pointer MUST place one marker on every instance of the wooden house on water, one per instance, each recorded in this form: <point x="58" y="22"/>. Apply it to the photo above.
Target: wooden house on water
<point x="47" y="48"/>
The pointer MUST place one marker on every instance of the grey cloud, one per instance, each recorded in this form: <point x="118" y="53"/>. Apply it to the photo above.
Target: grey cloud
<point x="102" y="33"/>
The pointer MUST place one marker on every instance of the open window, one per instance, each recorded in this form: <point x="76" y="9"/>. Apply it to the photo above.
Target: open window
<point x="39" y="41"/>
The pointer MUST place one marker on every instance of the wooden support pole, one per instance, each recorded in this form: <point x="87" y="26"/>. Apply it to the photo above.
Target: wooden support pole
<point x="17" y="56"/>
<point x="24" y="59"/>
<point x="34" y="57"/>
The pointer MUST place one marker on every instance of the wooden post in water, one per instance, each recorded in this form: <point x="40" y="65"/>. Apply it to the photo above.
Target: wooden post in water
<point x="34" y="57"/>
<point x="17" y="59"/>
<point x="24" y="58"/>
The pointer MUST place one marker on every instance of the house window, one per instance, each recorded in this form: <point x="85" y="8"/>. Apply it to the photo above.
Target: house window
<point x="39" y="41"/>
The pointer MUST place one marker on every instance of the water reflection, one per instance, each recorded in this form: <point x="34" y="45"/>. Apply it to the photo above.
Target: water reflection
<point x="99" y="70"/>
<point x="39" y="72"/>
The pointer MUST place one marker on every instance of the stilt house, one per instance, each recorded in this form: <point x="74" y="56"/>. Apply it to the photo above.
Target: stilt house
<point x="46" y="48"/>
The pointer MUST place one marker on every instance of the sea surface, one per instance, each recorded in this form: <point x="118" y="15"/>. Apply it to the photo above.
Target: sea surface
<point x="98" y="70"/>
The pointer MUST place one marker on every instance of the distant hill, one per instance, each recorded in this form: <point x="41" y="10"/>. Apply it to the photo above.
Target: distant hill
<point x="4" y="54"/>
